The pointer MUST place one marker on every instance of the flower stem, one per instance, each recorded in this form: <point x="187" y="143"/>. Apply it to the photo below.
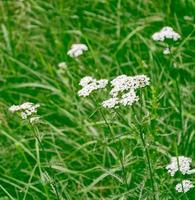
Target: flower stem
<point x="118" y="155"/>
<point x="148" y="160"/>
<point x="146" y="148"/>
<point x="43" y="149"/>
<point x="180" y="112"/>
<point x="146" y="152"/>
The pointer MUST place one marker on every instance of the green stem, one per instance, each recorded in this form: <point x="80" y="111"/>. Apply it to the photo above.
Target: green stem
<point x="43" y="149"/>
<point x="146" y="150"/>
<point x="148" y="159"/>
<point x="180" y="111"/>
<point x="181" y="123"/>
<point x="118" y="155"/>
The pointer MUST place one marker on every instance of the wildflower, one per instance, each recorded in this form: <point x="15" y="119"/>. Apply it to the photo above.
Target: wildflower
<point x="180" y="163"/>
<point x="26" y="109"/>
<point x="102" y="83"/>
<point x="166" y="33"/>
<point x="141" y="81"/>
<point x="85" y="91"/>
<point x="129" y="98"/>
<point x="192" y="171"/>
<point x="77" y="50"/>
<point x="123" y="90"/>
<point x="166" y="51"/>
<point x="110" y="103"/>
<point x="34" y="120"/>
<point x="14" y="108"/>
<point x="188" y="18"/>
<point x="123" y="83"/>
<point x="120" y="84"/>
<point x="85" y="81"/>
<point x="89" y="85"/>
<point x="62" y="65"/>
<point x="184" y="186"/>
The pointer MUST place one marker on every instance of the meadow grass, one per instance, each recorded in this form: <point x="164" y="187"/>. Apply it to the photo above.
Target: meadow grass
<point x="79" y="150"/>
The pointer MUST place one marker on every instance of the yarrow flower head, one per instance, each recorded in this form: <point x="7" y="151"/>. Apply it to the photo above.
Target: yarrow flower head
<point x="166" y="51"/>
<point x="62" y="65"/>
<point x="34" y="120"/>
<point x="129" y="98"/>
<point x="26" y="109"/>
<point x="123" y="90"/>
<point x="182" y="164"/>
<point x="89" y="85"/>
<point x="77" y="50"/>
<point x="188" y="18"/>
<point x="179" y="163"/>
<point x="110" y="103"/>
<point x="124" y="83"/>
<point x="141" y="81"/>
<point x="192" y="171"/>
<point x="85" y="81"/>
<point x="166" y="33"/>
<point x="184" y="186"/>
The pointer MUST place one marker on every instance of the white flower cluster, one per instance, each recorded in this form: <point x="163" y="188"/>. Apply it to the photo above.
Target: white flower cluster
<point x="179" y="163"/>
<point x="166" y="33"/>
<point x="62" y="65"/>
<point x="34" y="120"/>
<point x="26" y="109"/>
<point x="188" y="18"/>
<point x="77" y="50"/>
<point x="123" y="90"/>
<point x="184" y="186"/>
<point x="110" y="103"/>
<point x="182" y="164"/>
<point x="192" y="171"/>
<point x="89" y="85"/>
<point x="126" y="99"/>
<point x="129" y="98"/>
<point x="166" y="51"/>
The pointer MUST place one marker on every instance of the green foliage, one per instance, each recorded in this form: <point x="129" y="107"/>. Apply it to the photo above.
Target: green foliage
<point x="79" y="146"/>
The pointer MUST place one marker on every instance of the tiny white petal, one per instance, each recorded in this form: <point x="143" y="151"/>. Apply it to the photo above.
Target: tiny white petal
<point x="62" y="65"/>
<point x="166" y="51"/>
<point x="34" y="120"/>
<point x="188" y="18"/>
<point x="23" y="115"/>
<point x="192" y="171"/>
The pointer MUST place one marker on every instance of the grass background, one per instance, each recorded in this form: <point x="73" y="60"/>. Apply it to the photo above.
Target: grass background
<point x="85" y="144"/>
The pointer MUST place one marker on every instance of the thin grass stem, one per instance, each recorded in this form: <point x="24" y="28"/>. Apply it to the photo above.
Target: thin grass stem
<point x="53" y="183"/>
<point x="118" y="155"/>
